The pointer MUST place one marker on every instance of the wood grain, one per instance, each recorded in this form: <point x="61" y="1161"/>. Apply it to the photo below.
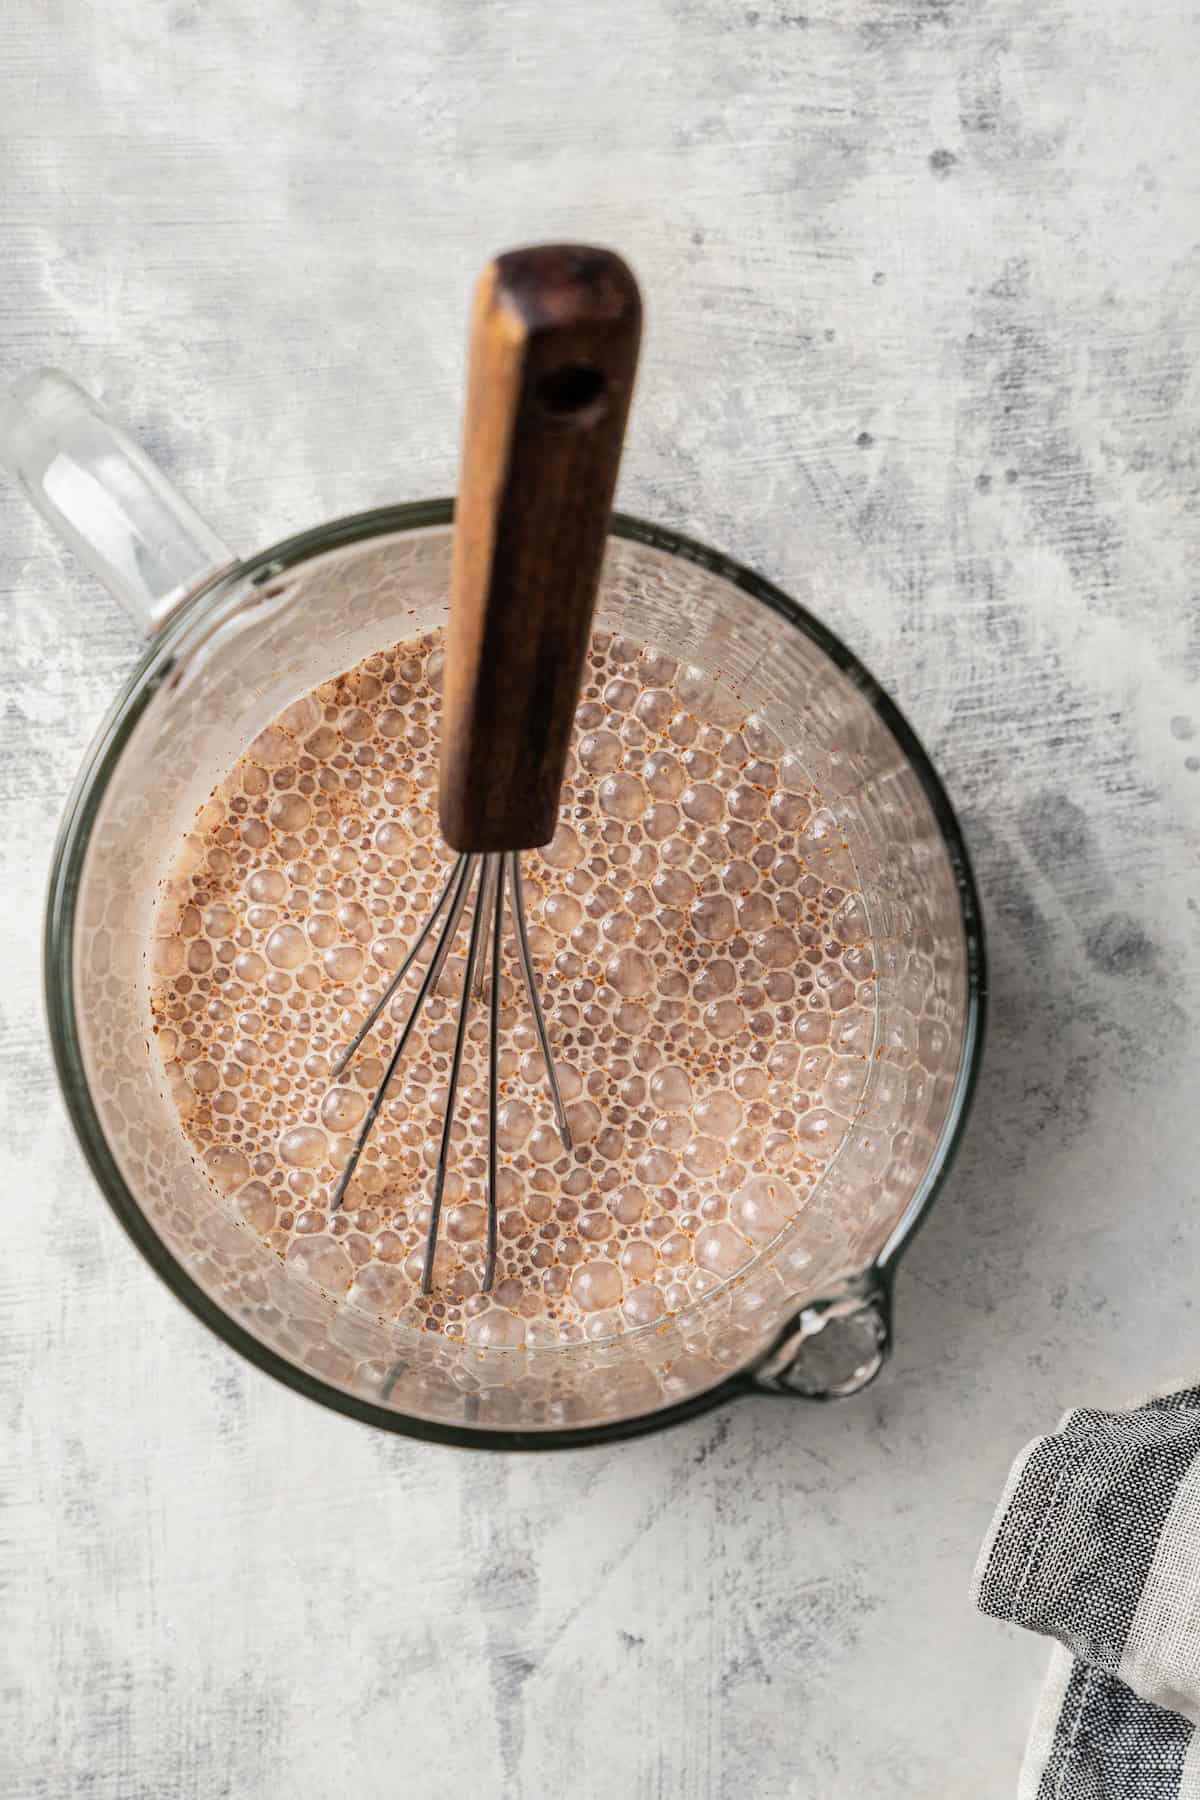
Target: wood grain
<point x="554" y="341"/>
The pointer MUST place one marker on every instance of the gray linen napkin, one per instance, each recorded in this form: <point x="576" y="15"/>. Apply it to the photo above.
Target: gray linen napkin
<point x="1096" y="1543"/>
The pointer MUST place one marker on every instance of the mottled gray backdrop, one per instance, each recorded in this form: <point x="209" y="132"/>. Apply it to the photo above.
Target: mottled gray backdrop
<point x="922" y="287"/>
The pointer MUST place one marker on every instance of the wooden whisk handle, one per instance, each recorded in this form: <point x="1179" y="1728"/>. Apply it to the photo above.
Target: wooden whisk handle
<point x="554" y="343"/>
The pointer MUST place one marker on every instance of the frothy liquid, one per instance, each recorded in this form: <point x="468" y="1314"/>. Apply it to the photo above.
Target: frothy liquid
<point x="708" y="990"/>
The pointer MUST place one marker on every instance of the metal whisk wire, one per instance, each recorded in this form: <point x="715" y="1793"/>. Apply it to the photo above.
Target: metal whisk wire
<point x="487" y="874"/>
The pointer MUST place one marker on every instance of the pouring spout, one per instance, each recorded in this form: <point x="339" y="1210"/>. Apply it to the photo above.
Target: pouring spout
<point x="834" y="1347"/>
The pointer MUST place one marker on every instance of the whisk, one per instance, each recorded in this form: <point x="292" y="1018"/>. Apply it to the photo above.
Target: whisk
<point x="554" y="341"/>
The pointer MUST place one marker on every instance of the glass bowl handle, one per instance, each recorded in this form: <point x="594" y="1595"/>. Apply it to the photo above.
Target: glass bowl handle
<point x="103" y="497"/>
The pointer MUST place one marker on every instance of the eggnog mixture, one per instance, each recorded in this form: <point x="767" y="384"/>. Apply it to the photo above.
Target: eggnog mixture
<point x="708" y="988"/>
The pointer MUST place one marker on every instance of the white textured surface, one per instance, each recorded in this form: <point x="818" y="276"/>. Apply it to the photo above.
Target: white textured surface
<point x="923" y="324"/>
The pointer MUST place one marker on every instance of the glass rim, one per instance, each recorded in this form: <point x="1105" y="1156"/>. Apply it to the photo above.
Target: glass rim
<point x="70" y="850"/>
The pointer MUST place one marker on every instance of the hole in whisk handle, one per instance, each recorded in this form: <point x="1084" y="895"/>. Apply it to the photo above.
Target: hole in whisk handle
<point x="576" y="393"/>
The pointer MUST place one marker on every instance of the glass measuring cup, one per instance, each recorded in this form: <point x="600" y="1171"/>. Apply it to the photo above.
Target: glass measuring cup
<point x="234" y="641"/>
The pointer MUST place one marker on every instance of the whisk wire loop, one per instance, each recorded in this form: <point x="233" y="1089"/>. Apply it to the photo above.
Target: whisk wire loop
<point x="491" y="876"/>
